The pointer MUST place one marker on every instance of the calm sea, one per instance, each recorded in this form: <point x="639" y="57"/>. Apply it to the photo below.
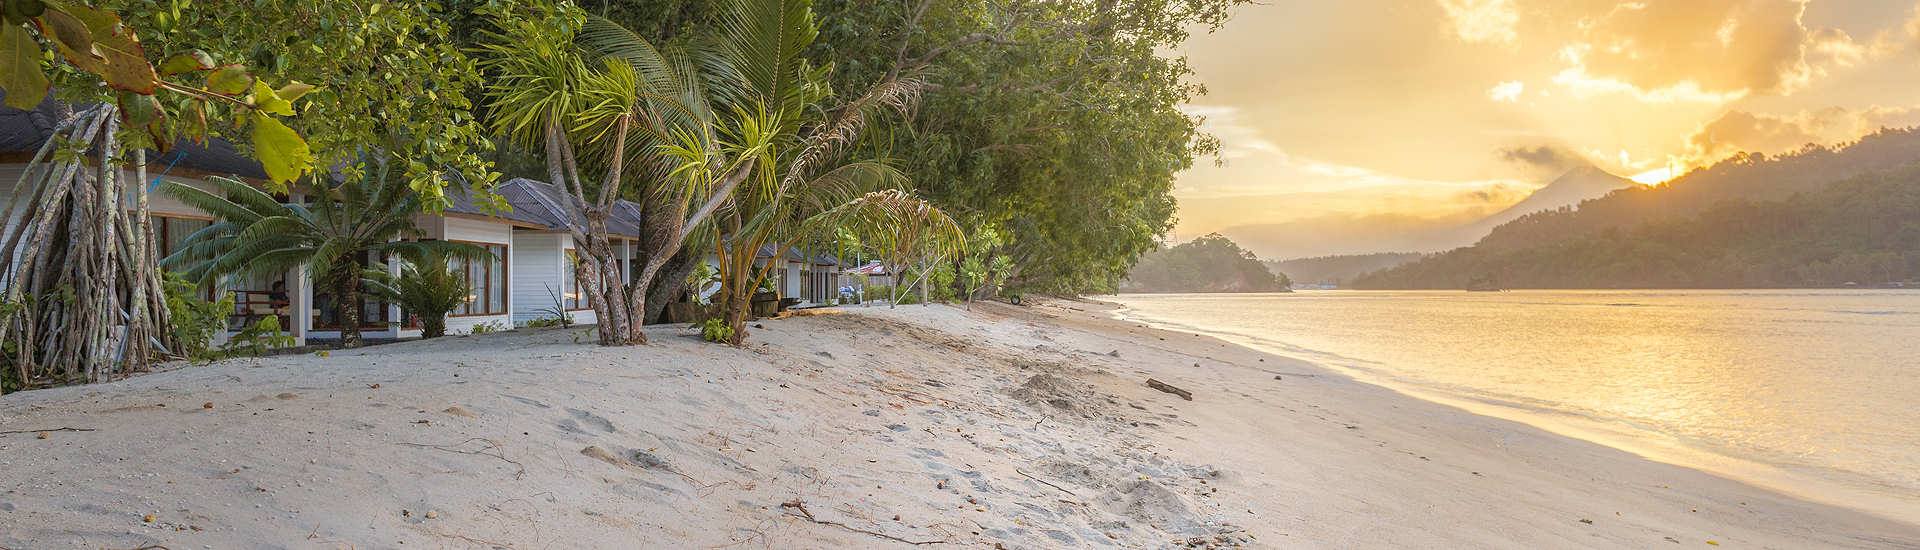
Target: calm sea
<point x="1816" y="393"/>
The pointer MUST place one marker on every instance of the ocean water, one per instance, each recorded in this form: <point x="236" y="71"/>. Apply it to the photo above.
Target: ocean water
<point x="1815" y="393"/>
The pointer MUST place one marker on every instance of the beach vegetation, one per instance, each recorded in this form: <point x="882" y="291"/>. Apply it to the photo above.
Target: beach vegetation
<point x="429" y="291"/>
<point x="342" y="233"/>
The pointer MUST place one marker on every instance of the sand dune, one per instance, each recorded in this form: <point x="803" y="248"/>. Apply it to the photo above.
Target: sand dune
<point x="870" y="428"/>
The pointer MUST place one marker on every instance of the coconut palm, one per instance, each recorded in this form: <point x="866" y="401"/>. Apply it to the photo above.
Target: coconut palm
<point x="369" y="213"/>
<point x="565" y="80"/>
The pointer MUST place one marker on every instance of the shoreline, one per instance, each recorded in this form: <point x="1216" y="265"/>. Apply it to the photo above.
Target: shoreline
<point x="1022" y="427"/>
<point x="1598" y="431"/>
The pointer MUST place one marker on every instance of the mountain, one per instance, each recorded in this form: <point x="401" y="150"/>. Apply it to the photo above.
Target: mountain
<point x="1208" y="264"/>
<point x="1332" y="235"/>
<point x="1774" y="224"/>
<point x="1339" y="270"/>
<point x="1742" y="177"/>
<point x="1570" y="189"/>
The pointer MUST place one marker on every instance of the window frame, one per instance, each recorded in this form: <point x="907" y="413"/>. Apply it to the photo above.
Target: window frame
<point x="484" y="299"/>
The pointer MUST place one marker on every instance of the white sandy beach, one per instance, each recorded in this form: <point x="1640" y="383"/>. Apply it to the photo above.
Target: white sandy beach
<point x="1003" y="427"/>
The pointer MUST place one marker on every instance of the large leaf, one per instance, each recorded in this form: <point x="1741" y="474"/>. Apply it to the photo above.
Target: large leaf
<point x="293" y="90"/>
<point x="126" y="63"/>
<point x="266" y="100"/>
<point x="20" y="72"/>
<point x="230" y="80"/>
<point x="279" y="149"/>
<point x="73" y="38"/>
<point x="187" y="62"/>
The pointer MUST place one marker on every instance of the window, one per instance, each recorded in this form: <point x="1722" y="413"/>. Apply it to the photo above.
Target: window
<point x="487" y="280"/>
<point x="570" y="291"/>
<point x="172" y="232"/>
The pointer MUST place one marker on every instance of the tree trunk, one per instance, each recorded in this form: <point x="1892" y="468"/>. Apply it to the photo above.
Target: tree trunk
<point x="346" y="303"/>
<point x="667" y="285"/>
<point x="433" y="326"/>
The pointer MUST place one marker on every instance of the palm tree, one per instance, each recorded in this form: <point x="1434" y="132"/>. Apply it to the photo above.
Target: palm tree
<point x="429" y="290"/>
<point x="564" y="79"/>
<point x="370" y="213"/>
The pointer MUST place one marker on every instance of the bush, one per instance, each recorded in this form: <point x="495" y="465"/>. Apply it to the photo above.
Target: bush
<point x="430" y="291"/>
<point x="192" y="321"/>
<point x="715" y="330"/>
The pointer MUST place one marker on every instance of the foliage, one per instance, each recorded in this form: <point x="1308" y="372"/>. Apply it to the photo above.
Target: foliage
<point x="99" y="48"/>
<point x="981" y="268"/>
<point x="1339" y="270"/>
<point x="1864" y="230"/>
<point x="716" y="330"/>
<point x="1054" y="123"/>
<point x="370" y="215"/>
<point x="255" y="339"/>
<point x="383" y="75"/>
<point x="487" y="327"/>
<point x="561" y="79"/>
<point x="702" y="276"/>
<point x="1208" y="264"/>
<point x="194" y="321"/>
<point x="1740" y="177"/>
<point x="429" y="290"/>
<point x="555" y="313"/>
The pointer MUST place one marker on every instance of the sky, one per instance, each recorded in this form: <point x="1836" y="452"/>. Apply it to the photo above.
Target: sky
<point x="1393" y="117"/>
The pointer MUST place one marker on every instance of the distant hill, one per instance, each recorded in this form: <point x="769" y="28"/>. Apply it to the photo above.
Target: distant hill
<point x="1864" y="229"/>
<point x="1208" y="264"/>
<point x="1748" y="177"/>
<point x="1339" y="270"/>
<point x="1336" y="234"/>
<point x="1579" y="184"/>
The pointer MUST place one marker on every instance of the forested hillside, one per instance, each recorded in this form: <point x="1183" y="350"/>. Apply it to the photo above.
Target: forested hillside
<point x="1339" y="270"/>
<point x="1863" y="230"/>
<point x="1747" y="177"/>
<point x="1208" y="264"/>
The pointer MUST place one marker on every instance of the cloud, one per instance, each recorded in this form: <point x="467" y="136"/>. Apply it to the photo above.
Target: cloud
<point x="1490" y="21"/>
<point x="1508" y="91"/>
<point x="1747" y="132"/>
<point x="1237" y="139"/>
<point x="1546" y="157"/>
<point x="1701" y="50"/>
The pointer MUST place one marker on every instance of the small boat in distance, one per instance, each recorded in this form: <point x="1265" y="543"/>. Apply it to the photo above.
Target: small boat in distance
<point x="1484" y="283"/>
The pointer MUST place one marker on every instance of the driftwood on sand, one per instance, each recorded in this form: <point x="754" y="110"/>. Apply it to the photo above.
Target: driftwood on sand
<point x="1169" y="388"/>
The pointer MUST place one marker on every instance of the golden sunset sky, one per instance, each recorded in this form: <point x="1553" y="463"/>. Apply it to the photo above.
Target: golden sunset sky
<point x="1391" y="114"/>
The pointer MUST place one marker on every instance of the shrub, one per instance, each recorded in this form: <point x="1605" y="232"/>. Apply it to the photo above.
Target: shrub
<point x="430" y="291"/>
<point x="715" y="330"/>
<point x="193" y="321"/>
<point x="255" y="339"/>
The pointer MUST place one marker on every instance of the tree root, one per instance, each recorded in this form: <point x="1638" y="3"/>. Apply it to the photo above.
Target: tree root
<point x="801" y="507"/>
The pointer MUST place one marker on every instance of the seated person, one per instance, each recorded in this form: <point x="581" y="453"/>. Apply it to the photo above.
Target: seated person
<point x="277" y="296"/>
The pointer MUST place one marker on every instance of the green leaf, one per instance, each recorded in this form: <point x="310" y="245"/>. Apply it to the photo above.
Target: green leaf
<point x="281" y="151"/>
<point x="126" y="66"/>
<point x="187" y="62"/>
<point x="230" y="80"/>
<point x="136" y="109"/>
<point x="71" y="36"/>
<point x="20" y="72"/>
<point x="293" y="90"/>
<point x="265" y="99"/>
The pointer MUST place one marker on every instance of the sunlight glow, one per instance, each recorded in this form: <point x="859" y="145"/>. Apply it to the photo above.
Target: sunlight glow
<point x="1653" y="177"/>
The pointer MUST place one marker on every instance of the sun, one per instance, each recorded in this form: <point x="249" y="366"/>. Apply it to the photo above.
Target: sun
<point x="1653" y="177"/>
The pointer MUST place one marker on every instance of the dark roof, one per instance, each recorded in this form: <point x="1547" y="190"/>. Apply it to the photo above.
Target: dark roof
<point x="24" y="132"/>
<point x="543" y="203"/>
<point x="795" y="254"/>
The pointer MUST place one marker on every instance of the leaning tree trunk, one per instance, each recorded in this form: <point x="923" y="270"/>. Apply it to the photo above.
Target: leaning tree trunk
<point x="667" y="285"/>
<point x="82" y="299"/>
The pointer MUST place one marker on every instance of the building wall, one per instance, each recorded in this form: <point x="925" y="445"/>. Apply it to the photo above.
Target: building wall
<point x="481" y="232"/>
<point x="535" y="267"/>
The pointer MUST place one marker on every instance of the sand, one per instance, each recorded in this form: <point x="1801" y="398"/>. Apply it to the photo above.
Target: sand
<point x="1000" y="427"/>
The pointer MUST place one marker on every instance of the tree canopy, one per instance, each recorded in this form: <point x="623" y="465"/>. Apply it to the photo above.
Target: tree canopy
<point x="1208" y="264"/>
